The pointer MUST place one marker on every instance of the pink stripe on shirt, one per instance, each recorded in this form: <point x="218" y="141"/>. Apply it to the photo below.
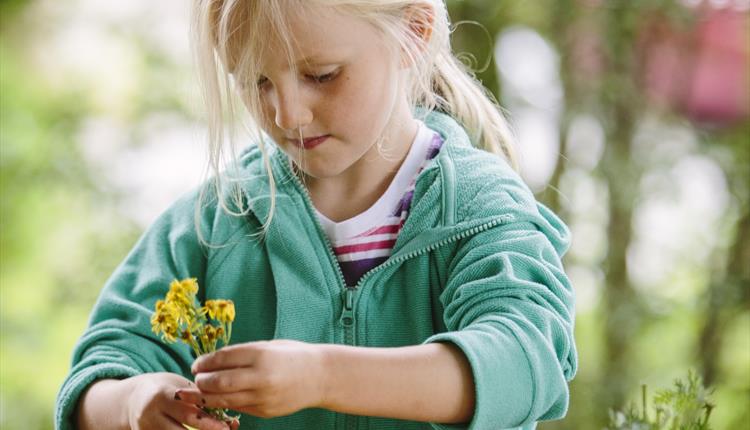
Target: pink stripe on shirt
<point x="383" y="244"/>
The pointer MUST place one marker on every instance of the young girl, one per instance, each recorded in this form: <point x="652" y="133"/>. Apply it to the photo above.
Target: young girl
<point x="389" y="267"/>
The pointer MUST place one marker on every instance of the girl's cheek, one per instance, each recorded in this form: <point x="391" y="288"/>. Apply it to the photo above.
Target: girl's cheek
<point x="338" y="94"/>
<point x="267" y="115"/>
<point x="342" y="85"/>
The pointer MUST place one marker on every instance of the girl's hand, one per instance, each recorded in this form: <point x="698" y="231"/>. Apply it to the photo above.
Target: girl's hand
<point x="266" y="379"/>
<point x="152" y="405"/>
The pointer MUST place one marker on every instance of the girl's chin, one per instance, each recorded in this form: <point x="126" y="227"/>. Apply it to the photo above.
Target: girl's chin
<point x="309" y="169"/>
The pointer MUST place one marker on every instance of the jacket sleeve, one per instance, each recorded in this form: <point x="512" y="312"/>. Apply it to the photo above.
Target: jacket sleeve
<point x="118" y="342"/>
<point x="509" y="306"/>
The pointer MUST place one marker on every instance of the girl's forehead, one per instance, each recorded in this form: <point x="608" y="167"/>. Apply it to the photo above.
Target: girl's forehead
<point x="318" y="34"/>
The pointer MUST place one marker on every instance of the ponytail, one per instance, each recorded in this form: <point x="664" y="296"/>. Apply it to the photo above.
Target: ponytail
<point x="467" y="101"/>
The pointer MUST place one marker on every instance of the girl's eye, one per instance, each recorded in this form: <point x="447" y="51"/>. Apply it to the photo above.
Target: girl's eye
<point x="320" y="79"/>
<point x="323" y="78"/>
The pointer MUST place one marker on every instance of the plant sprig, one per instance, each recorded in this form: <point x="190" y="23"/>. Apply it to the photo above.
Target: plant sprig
<point x="179" y="317"/>
<point x="685" y="407"/>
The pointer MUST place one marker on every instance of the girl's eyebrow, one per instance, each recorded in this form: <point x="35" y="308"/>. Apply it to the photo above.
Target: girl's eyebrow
<point x="318" y="60"/>
<point x="321" y="58"/>
<point x="310" y="59"/>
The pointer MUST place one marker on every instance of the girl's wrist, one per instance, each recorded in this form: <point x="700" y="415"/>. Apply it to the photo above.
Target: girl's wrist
<point x="94" y="409"/>
<point x="326" y="372"/>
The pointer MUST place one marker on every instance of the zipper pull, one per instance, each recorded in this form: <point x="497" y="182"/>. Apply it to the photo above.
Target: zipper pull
<point x="347" y="314"/>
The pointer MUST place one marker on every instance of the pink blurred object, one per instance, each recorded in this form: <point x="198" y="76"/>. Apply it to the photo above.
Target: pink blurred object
<point x="720" y="86"/>
<point x="703" y="72"/>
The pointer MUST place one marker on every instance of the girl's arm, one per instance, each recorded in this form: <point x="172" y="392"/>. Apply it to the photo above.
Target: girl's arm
<point x="95" y="408"/>
<point x="431" y="382"/>
<point x="508" y="308"/>
<point x="269" y="379"/>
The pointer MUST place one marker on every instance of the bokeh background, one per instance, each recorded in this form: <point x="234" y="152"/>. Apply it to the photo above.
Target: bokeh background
<point x="633" y="125"/>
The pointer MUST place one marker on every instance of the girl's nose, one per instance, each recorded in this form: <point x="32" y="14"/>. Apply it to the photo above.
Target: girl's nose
<point x="291" y="111"/>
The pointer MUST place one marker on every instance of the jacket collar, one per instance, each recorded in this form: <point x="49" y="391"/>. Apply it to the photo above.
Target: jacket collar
<point x="432" y="215"/>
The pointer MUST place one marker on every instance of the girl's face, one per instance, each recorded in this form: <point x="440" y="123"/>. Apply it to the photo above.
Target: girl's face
<point x="347" y="86"/>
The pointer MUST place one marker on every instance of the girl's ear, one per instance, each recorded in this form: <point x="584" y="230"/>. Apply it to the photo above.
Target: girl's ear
<point x="420" y="18"/>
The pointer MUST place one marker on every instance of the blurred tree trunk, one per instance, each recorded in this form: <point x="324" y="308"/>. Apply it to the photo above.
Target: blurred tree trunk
<point x="725" y="293"/>
<point x="620" y="106"/>
<point x="561" y="26"/>
<point x="729" y="291"/>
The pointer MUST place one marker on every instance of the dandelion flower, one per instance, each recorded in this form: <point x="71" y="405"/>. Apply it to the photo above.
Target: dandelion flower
<point x="190" y="286"/>
<point x="162" y="322"/>
<point x="220" y="310"/>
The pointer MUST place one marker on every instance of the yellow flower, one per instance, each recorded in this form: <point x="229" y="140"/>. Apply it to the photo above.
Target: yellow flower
<point x="190" y="286"/>
<point x="185" y="289"/>
<point x="167" y="308"/>
<point x="170" y="332"/>
<point x="177" y="317"/>
<point x="164" y="323"/>
<point x="204" y="338"/>
<point x="210" y="333"/>
<point x="177" y="294"/>
<point x="220" y="310"/>
<point x="182" y="296"/>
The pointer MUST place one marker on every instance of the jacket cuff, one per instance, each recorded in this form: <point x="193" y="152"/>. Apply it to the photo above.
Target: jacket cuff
<point x="502" y="377"/>
<point x="77" y="383"/>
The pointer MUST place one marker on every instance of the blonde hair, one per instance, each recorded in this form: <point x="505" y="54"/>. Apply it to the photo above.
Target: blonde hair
<point x="227" y="36"/>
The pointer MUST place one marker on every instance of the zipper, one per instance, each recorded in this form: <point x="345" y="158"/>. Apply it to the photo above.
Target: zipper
<point x="431" y="247"/>
<point x="347" y="318"/>
<point x="347" y="315"/>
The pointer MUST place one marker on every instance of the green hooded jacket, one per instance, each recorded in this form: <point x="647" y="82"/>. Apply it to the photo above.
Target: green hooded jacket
<point x="477" y="263"/>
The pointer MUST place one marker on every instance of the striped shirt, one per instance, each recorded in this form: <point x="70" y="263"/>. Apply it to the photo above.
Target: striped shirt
<point x="366" y="240"/>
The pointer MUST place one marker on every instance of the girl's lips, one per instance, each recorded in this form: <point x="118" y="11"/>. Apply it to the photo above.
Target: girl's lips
<point x="311" y="142"/>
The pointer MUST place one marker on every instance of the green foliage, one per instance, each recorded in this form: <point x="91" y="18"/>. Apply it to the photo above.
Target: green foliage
<point x="61" y="233"/>
<point x="685" y="407"/>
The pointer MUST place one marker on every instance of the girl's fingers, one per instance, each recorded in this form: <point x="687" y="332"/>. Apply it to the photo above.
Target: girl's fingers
<point x="195" y="417"/>
<point x="239" y="355"/>
<point x="230" y="380"/>
<point x="236" y="400"/>
<point x="164" y="421"/>
<point x="234" y="425"/>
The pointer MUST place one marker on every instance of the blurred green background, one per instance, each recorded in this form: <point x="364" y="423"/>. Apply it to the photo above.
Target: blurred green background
<point x="633" y="125"/>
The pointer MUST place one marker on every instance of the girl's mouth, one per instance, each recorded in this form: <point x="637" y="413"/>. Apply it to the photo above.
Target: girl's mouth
<point x="311" y="142"/>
